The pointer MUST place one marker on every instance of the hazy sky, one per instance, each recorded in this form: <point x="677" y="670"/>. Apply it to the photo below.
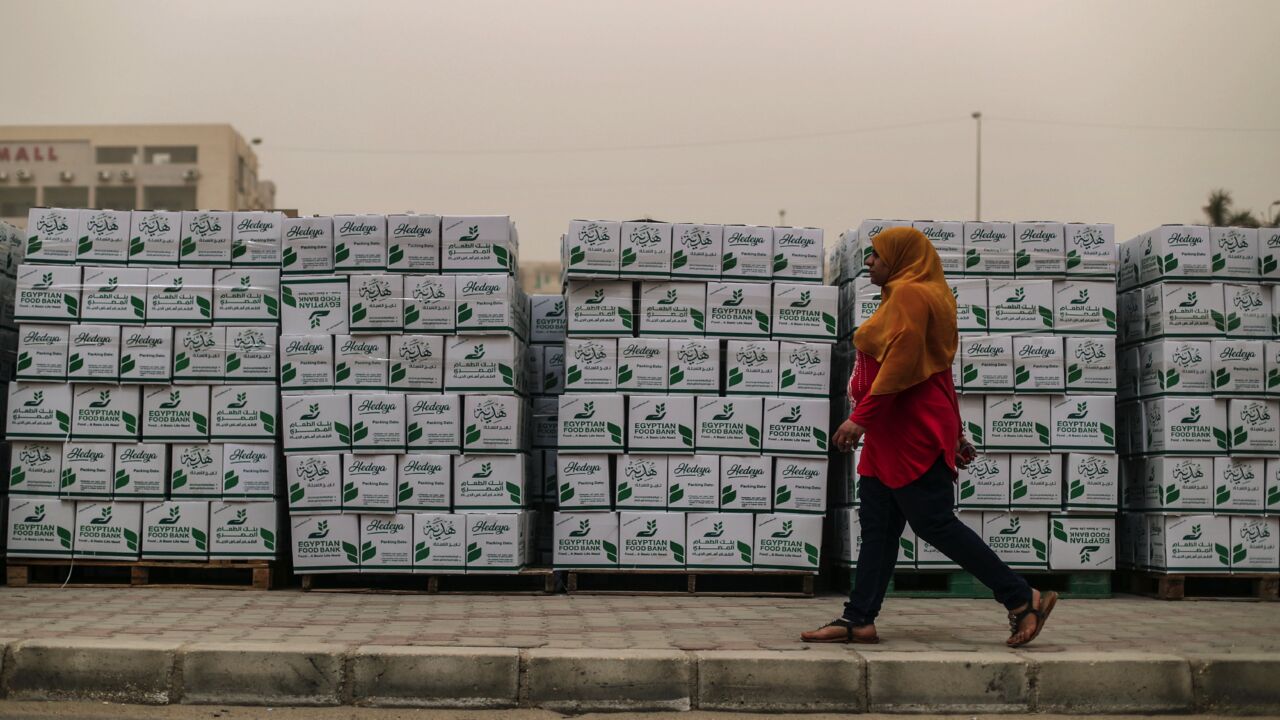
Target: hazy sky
<point x="723" y="111"/>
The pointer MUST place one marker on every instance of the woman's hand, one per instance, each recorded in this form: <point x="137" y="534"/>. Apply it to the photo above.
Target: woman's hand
<point x="965" y="451"/>
<point x="848" y="435"/>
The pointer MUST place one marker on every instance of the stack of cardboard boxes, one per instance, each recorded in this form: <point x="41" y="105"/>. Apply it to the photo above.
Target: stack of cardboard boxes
<point x="1036" y="373"/>
<point x="11" y="249"/>
<point x="545" y="368"/>
<point x="402" y="368"/>
<point x="1200" y="400"/>
<point x="143" y="421"/>
<point x="693" y="428"/>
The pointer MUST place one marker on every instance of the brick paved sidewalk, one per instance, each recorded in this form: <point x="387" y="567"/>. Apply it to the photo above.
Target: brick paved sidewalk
<point x="599" y="622"/>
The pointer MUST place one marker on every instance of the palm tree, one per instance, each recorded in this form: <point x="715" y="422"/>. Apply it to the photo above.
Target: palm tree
<point x="1220" y="213"/>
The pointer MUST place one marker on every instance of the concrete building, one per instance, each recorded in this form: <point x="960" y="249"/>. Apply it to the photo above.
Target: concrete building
<point x="540" y="276"/>
<point x="127" y="167"/>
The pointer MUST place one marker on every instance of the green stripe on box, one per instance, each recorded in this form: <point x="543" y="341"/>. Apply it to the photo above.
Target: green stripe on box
<point x="174" y="438"/>
<point x="798" y="511"/>
<point x="692" y="566"/>
<point x="401" y="449"/>
<point x="495" y="569"/>
<point x="194" y="496"/>
<point x="352" y="269"/>
<point x="153" y="263"/>
<point x="599" y="333"/>
<point x="799" y="395"/>
<point x="438" y="449"/>
<point x="801" y="336"/>
<point x="602" y="448"/>
<point x="62" y="437"/>
<point x="795" y="453"/>
<point x="40" y="378"/>
<point x="400" y="507"/>
<point x="248" y="438"/>
<point x="468" y="508"/>
<point x="646" y="566"/>
<point x="326" y="280"/>
<point x="275" y="264"/>
<point x="738" y="336"/>
<point x="445" y="568"/>
<point x="386" y="568"/>
<point x="114" y="321"/>
<point x="322" y="449"/>
<point x="18" y="553"/>
<point x="247" y="555"/>
<point x="584" y="508"/>
<point x="32" y="493"/>
<point x="105" y="553"/>
<point x="314" y="509"/>
<point x="730" y="450"/>
<point x="245" y="321"/>
<point x="174" y="554"/>
<point x="795" y="568"/>
<point x="313" y="569"/>
<point x="60" y="320"/>
<point x="587" y="566"/>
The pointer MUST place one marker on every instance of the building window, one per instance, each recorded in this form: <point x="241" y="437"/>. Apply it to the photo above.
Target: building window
<point x="65" y="196"/>
<point x="170" y="154"/>
<point x="116" y="155"/>
<point x="107" y="197"/>
<point x="169" y="198"/>
<point x="16" y="202"/>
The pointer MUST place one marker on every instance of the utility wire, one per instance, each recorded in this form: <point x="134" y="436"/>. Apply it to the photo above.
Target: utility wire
<point x="1121" y="126"/>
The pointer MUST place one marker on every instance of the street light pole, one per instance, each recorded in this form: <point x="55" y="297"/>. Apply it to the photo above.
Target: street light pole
<point x="977" y="213"/>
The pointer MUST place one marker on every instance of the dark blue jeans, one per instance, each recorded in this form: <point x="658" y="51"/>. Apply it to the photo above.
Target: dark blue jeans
<point x="928" y="504"/>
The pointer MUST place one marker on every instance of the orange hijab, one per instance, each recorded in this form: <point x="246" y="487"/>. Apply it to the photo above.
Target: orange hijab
<point x="913" y="333"/>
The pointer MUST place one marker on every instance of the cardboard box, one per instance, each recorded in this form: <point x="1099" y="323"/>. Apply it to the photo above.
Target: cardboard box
<point x="651" y="540"/>
<point x="591" y="423"/>
<point x="496" y="542"/>
<point x="1132" y="316"/>
<point x="1092" y="481"/>
<point x="424" y="482"/>
<point x="670" y="309"/>
<point x="1084" y="307"/>
<point x="38" y="411"/>
<point x="480" y="243"/>
<point x="802" y="312"/>
<point x="642" y="363"/>
<point x="1239" y="367"/>
<point x="146" y="355"/>
<point x="307" y="245"/>
<point x="1020" y="423"/>
<point x="695" y="366"/>
<point x="697" y="251"/>
<point x="987" y="364"/>
<point x="804" y="369"/>
<point x="42" y="353"/>
<point x="361" y="362"/>
<point x="494" y="423"/>
<point x="417" y="362"/>
<point x="989" y="249"/>
<point x="984" y="483"/>
<point x="200" y="355"/>
<point x="306" y="363"/>
<point x="645" y="250"/>
<point x="1038" y="364"/>
<point x="594" y="248"/>
<point x="107" y="530"/>
<point x="489" y="482"/>
<point x="1175" y="309"/>
<point x="642" y="482"/>
<point x="47" y="294"/>
<point x="88" y="471"/>
<point x="1254" y="426"/>
<point x="35" y="469"/>
<point x="693" y="482"/>
<point x="432" y="423"/>
<point x="255" y="240"/>
<point x="439" y="543"/>
<point x="746" y="484"/>
<point x="600" y="307"/>
<point x="1176" y="367"/>
<point x="154" y="237"/>
<point x="1085" y="422"/>
<point x="973" y="413"/>
<point x="547" y="318"/>
<point x="753" y="367"/>
<point x="325" y="543"/>
<point x="93" y="355"/>
<point x="1255" y="544"/>
<point x="488" y="304"/>
<point x="141" y="471"/>
<point x="369" y="484"/>
<point x="249" y="472"/>
<point x="1181" y="484"/>
<point x="1273" y="486"/>
<point x="1190" y="543"/>
<point x="660" y="424"/>
<point x="553" y="372"/>
<point x="719" y="541"/>
<point x="1040" y="249"/>
<point x="1035" y="481"/>
<point x="797" y="254"/>
<point x="315" y="483"/>
<point x="359" y="243"/>
<point x="1234" y="253"/>
<point x="173" y="530"/>
<point x="748" y="253"/>
<point x="737" y="310"/>
<point x="729" y="425"/>
<point x="40" y="527"/>
<point x="1175" y="252"/>
<point x="1021" y="540"/>
<point x="386" y="543"/>
<point x="586" y="540"/>
<point x="114" y="295"/>
<point x="482" y="363"/>
<point x="206" y="239"/>
<point x="377" y="423"/>
<point x="413" y="243"/>
<point x="1239" y="485"/>
<point x="592" y="364"/>
<point x="584" y="482"/>
<point x="866" y="300"/>
<point x="972" y="314"/>
<point x="796" y="426"/>
<point x="251" y="356"/>
<point x="1185" y="426"/>
<point x="1090" y="364"/>
<point x="314" y="305"/>
<point x="246" y="297"/>
<point x="1271" y="350"/>
<point x="180" y="296"/>
<point x="195" y="471"/>
<point x="1248" y="310"/>
<point x="317" y="423"/>
<point x="1082" y="543"/>
<point x="1091" y="249"/>
<point x="1268" y="253"/>
<point x="800" y="485"/>
<point x="1021" y="305"/>
<point x="785" y="541"/>
<point x="52" y="235"/>
<point x="430" y="302"/>
<point x="175" y="413"/>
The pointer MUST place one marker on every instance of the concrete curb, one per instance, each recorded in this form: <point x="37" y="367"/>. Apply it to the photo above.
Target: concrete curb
<point x="835" y="679"/>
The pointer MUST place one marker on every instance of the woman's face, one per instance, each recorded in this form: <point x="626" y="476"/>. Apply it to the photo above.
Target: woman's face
<point x="878" y="268"/>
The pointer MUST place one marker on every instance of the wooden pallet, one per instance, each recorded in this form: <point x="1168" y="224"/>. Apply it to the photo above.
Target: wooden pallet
<point x="1201" y="586"/>
<point x="960" y="584"/>
<point x="530" y="581"/>
<point x="229" y="574"/>
<point x="743" y="583"/>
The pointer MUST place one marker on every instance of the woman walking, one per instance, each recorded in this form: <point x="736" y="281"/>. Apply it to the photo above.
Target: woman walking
<point x="904" y="406"/>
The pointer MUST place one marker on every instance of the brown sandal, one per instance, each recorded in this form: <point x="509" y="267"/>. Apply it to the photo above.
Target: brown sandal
<point x="1047" y="601"/>
<point x="849" y="637"/>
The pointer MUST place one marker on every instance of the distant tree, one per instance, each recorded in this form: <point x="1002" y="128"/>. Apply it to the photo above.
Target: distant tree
<point x="1220" y="212"/>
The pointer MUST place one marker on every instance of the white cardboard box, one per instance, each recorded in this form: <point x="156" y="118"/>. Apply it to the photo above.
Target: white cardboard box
<point x="797" y="254"/>
<point x="1234" y="253"/>
<point x="1176" y="367"/>
<point x="359" y="243"/>
<point x="482" y="363"/>
<point x="154" y="237"/>
<point x="88" y="470"/>
<point x="1254" y="426"/>
<point x="317" y="423"/>
<point x="195" y="471"/>
<point x="1185" y="426"/>
<point x="417" y="362"/>
<point x="948" y="241"/>
<point x="314" y="304"/>
<point x="1180" y="484"/>
<point x="325" y="543"/>
<point x="493" y="423"/>
<point x="599" y="307"/>
<point x="1190" y="543"/>
<point x="433" y="423"/>
<point x="1035" y="481"/>
<point x="413" y="243"/>
<point x="804" y="312"/>
<point x="1082" y="543"/>
<point x="729" y="425"/>
<point x="1092" y="480"/>
<point x="586" y="540"/>
<point x="785" y="541"/>
<point x="489" y="482"/>
<point x="672" y="309"/>
<point x="746" y="484"/>
<point x="660" y="424"/>
<point x="240" y="414"/>
<point x="1084" y="307"/>
<point x="695" y="366"/>
<point x="146" y="355"/>
<point x="1021" y="305"/>
<point x="748" y="253"/>
<point x="1248" y="310"/>
<point x="369" y="484"/>
<point x="246" y="296"/>
<point x="141" y="471"/>
<point x="984" y="482"/>
<point x="425" y="483"/>
<point x="1239" y="485"/>
<point x="796" y="426"/>
<point x="693" y="482"/>
<point x="439" y="543"/>
<point x="315" y="483"/>
<point x="377" y="423"/>
<point x="972" y="314"/>
<point x="38" y="411"/>
<point x="35" y="469"/>
<point x="973" y="415"/>
<point x="592" y="363"/>
<point x="1178" y="309"/>
<point x="489" y="304"/>
<point x="430" y="303"/>
<point x="645" y="250"/>
<point x="255" y="241"/>
<point x="583" y="482"/>
<point x="988" y="249"/>
<point x="643" y="364"/>
<point x="800" y="485"/>
<point x="1084" y="422"/>
<point x="40" y="527"/>
<point x="1090" y="364"/>
<point x="251" y="355"/>
<point x="173" y="530"/>
<point x="696" y="251"/>
<point x="753" y="367"/>
<point x="105" y="412"/>
<point x="1175" y="252"/>
<point x="306" y="363"/>
<point x="719" y="541"/>
<point x="1040" y="249"/>
<point x="477" y="243"/>
<point x="93" y="355"/>
<point x="1239" y="367"/>
<point x="987" y="365"/>
<point x="107" y="530"/>
<point x="804" y="369"/>
<point x="546" y="319"/>
<point x="361" y="362"/>
<point x="307" y="244"/>
<point x="591" y="423"/>
<point x="1038" y="364"/>
<point x="651" y="540"/>
<point x="1021" y="540"/>
<point x="115" y="295"/>
<point x="180" y="296"/>
<point x="206" y="239"/>
<point x="52" y="235"/>
<point x="199" y="355"/>
<point x="1255" y="544"/>
<point x="642" y="482"/>
<point x="386" y="543"/>
<point x="47" y="293"/>
<point x="1091" y="249"/>
<point x="175" y="413"/>
<point x="593" y="248"/>
<point x="42" y="353"/>
<point x="496" y="542"/>
<point x="376" y="303"/>
<point x="737" y="310"/>
<point x="1018" y="423"/>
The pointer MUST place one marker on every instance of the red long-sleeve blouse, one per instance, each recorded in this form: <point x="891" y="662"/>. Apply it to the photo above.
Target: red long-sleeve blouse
<point x="906" y="431"/>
